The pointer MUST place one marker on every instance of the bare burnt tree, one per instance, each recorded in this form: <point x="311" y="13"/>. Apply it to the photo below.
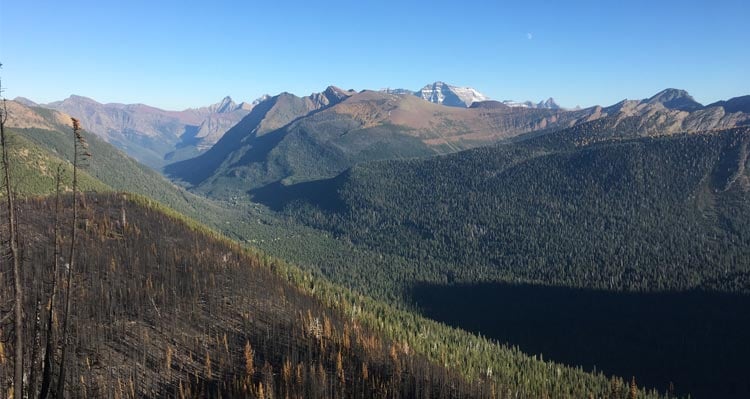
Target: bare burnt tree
<point x="13" y="258"/>
<point x="80" y="151"/>
<point x="49" y="352"/>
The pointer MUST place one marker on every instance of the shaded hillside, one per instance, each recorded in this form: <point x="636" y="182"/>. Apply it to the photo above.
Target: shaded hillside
<point x="639" y="214"/>
<point x="697" y="340"/>
<point x="736" y="104"/>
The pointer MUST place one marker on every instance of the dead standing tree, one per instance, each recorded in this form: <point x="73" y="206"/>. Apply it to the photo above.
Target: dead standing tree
<point x="49" y="352"/>
<point x="80" y="152"/>
<point x="13" y="259"/>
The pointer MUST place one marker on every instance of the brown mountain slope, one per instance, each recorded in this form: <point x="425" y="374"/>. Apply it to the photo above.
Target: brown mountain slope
<point x="163" y="310"/>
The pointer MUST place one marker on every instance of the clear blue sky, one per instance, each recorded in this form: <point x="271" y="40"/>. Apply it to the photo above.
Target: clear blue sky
<point x="178" y="54"/>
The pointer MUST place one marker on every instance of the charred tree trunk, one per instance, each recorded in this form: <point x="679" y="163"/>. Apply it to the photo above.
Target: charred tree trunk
<point x="49" y="352"/>
<point x="78" y="145"/>
<point x="17" y="278"/>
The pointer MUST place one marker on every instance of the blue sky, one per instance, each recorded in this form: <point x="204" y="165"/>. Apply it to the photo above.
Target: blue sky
<point x="178" y="54"/>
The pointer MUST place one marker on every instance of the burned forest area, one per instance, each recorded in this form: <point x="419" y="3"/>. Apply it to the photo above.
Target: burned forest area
<point x="161" y="308"/>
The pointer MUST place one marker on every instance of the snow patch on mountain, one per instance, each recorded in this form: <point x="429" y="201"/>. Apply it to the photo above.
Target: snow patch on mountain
<point x="544" y="104"/>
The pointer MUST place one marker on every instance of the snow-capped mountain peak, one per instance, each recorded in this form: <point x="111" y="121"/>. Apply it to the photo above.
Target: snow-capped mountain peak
<point x="445" y="94"/>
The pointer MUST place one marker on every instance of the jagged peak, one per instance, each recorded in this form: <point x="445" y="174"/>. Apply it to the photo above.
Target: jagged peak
<point x="548" y="104"/>
<point x="225" y="105"/>
<point x="335" y="92"/>
<point x="332" y="95"/>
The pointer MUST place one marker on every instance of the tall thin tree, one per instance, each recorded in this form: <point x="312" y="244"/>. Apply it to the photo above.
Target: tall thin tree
<point x="80" y="150"/>
<point x="13" y="243"/>
<point x="49" y="352"/>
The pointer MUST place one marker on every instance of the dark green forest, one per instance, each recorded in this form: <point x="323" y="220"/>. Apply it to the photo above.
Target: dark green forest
<point x="647" y="214"/>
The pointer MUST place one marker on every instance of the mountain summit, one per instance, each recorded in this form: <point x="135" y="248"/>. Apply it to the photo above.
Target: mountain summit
<point x="226" y="105"/>
<point x="675" y="99"/>
<point x="454" y="96"/>
<point x="548" y="104"/>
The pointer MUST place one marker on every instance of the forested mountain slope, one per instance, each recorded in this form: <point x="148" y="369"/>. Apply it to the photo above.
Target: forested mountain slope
<point x="634" y="214"/>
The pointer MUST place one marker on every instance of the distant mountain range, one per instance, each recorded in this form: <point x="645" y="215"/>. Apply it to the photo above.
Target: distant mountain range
<point x="291" y="139"/>
<point x="151" y="135"/>
<point x="458" y="118"/>
<point x="288" y="139"/>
